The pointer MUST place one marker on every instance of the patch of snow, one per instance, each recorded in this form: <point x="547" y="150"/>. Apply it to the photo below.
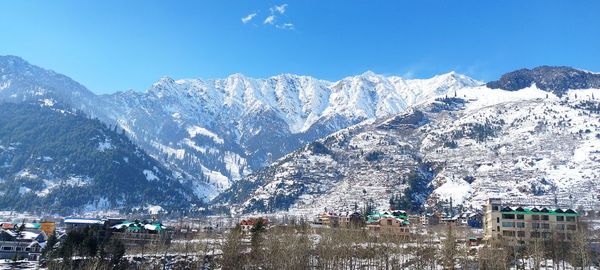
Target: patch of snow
<point x="155" y="209"/>
<point x="457" y="189"/>
<point x="48" y="102"/>
<point x="193" y="131"/>
<point x="105" y="145"/>
<point x="219" y="180"/>
<point x="24" y="190"/>
<point x="150" y="176"/>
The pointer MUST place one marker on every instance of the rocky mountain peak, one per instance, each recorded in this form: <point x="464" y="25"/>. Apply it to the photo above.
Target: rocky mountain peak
<point x="555" y="79"/>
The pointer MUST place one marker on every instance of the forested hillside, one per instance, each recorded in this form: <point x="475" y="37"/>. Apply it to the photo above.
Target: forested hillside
<point x="58" y="160"/>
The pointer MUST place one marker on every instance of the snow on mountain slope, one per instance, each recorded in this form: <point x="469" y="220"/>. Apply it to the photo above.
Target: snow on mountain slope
<point x="217" y="131"/>
<point x="196" y="124"/>
<point x="470" y="144"/>
<point x="528" y="145"/>
<point x="22" y="82"/>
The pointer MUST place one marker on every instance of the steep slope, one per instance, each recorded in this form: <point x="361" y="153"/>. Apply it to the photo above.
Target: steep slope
<point x="528" y="145"/>
<point x="215" y="132"/>
<point x="467" y="146"/>
<point x="224" y="129"/>
<point x="59" y="161"/>
<point x="23" y="82"/>
<point x="364" y="163"/>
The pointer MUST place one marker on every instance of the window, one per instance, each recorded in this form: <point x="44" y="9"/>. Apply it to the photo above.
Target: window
<point x="560" y="226"/>
<point x="497" y="220"/>
<point x="570" y="219"/>
<point x="389" y="222"/>
<point x="494" y="208"/>
<point x="520" y="217"/>
<point x="545" y="217"/>
<point x="508" y="224"/>
<point x="6" y="248"/>
<point x="19" y="249"/>
<point x="508" y="233"/>
<point x="520" y="224"/>
<point x="547" y="234"/>
<point x="560" y="218"/>
<point x="508" y="216"/>
<point x="545" y="226"/>
<point x="535" y="225"/>
<point x="571" y="227"/>
<point x="535" y="217"/>
<point x="520" y="233"/>
<point x="535" y="234"/>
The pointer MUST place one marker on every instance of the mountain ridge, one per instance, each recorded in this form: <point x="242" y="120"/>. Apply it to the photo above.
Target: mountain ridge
<point x="463" y="146"/>
<point x="218" y="131"/>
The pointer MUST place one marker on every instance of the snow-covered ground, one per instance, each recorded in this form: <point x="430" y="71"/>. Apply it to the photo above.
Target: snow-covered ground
<point x="527" y="146"/>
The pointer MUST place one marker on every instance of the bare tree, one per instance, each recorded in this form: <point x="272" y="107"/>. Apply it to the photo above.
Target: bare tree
<point x="580" y="247"/>
<point x="233" y="250"/>
<point x="494" y="256"/>
<point x="449" y="250"/>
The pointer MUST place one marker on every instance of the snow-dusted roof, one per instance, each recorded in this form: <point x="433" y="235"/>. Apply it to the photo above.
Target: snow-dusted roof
<point x="83" y="221"/>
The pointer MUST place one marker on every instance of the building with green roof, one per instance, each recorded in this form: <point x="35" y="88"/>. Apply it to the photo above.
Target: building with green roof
<point x="523" y="223"/>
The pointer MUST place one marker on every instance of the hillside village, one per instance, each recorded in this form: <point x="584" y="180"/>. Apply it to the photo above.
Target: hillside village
<point x="147" y="239"/>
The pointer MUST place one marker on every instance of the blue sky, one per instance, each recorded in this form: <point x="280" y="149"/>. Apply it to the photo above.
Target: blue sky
<point x="119" y="45"/>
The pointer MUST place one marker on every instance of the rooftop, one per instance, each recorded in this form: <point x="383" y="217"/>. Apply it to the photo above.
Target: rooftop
<point x="535" y="210"/>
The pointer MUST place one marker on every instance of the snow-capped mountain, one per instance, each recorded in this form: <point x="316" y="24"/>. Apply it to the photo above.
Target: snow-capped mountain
<point x="221" y="130"/>
<point x="425" y="140"/>
<point x="521" y="145"/>
<point x="218" y="131"/>
<point x="22" y="82"/>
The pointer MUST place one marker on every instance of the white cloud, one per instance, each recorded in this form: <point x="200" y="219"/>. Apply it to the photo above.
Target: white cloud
<point x="275" y="11"/>
<point x="280" y="9"/>
<point x="248" y="18"/>
<point x="287" y="26"/>
<point x="270" y="19"/>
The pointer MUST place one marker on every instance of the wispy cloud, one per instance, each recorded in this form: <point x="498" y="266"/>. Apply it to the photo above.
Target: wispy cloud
<point x="248" y="18"/>
<point x="275" y="18"/>
<point x="280" y="9"/>
<point x="270" y="20"/>
<point x="286" y="26"/>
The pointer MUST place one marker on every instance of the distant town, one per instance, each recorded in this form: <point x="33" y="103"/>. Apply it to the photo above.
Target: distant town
<point x="500" y="235"/>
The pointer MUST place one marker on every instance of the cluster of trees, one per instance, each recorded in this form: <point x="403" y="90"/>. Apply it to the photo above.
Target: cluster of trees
<point x="447" y="104"/>
<point x="477" y="131"/>
<point x="414" y="196"/>
<point x="59" y="145"/>
<point x="299" y="246"/>
<point x="318" y="148"/>
<point x="441" y="247"/>
<point x="89" y="248"/>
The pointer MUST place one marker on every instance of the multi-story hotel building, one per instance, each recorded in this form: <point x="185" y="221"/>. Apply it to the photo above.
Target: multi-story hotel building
<point x="521" y="223"/>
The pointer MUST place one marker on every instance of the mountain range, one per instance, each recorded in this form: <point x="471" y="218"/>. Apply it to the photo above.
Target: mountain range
<point x="290" y="141"/>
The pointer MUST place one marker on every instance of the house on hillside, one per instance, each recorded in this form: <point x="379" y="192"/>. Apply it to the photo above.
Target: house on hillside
<point x="141" y="233"/>
<point x="475" y="220"/>
<point x="387" y="222"/>
<point x="328" y="219"/>
<point x="73" y="223"/>
<point x="429" y="219"/>
<point x="248" y="224"/>
<point x="21" y="244"/>
<point x="351" y="221"/>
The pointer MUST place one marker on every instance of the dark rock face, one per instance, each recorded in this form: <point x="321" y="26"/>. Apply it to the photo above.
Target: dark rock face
<point x="552" y="79"/>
